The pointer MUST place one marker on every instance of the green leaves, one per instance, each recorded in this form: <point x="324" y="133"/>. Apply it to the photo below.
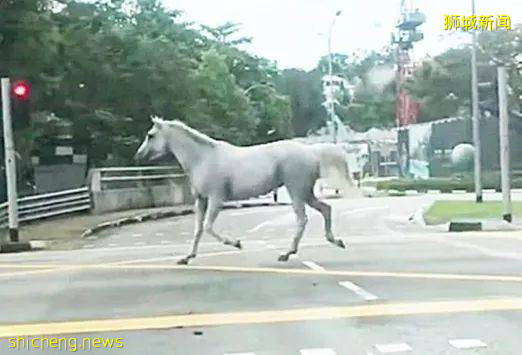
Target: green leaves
<point x="104" y="67"/>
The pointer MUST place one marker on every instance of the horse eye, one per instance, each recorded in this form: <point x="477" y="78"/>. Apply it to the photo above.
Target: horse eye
<point x="150" y="136"/>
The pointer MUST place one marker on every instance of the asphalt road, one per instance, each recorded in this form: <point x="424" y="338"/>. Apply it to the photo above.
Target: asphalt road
<point x="398" y="288"/>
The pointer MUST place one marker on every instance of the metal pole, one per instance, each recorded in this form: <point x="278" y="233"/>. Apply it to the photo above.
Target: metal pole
<point x="475" y="113"/>
<point x="10" y="162"/>
<point x="504" y="143"/>
<point x="331" y="105"/>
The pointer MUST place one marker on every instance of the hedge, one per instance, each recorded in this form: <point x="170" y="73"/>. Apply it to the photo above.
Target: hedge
<point x="444" y="184"/>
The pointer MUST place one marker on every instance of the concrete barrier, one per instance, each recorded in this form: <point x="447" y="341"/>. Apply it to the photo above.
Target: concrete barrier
<point x="142" y="191"/>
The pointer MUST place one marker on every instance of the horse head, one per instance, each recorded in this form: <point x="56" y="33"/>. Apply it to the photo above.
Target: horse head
<point x="155" y="144"/>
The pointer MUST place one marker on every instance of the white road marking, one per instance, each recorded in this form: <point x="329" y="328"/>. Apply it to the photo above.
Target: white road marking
<point x="358" y="290"/>
<point x="393" y="348"/>
<point x="165" y="242"/>
<point x="136" y="235"/>
<point x="92" y="237"/>
<point x="247" y="212"/>
<point x="313" y="265"/>
<point x="318" y="351"/>
<point x="139" y="243"/>
<point x="467" y="343"/>
<point x="160" y="234"/>
<point x="360" y="210"/>
<point x="88" y="246"/>
<point x="113" y="245"/>
<point x="281" y="220"/>
<point x="240" y="354"/>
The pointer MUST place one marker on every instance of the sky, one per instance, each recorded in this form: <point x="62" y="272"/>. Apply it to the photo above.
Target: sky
<point x="294" y="32"/>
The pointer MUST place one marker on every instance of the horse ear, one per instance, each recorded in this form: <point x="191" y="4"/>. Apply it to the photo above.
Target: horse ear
<point x="156" y="120"/>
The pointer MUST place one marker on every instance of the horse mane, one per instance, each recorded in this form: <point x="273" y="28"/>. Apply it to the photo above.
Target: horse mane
<point x="193" y="133"/>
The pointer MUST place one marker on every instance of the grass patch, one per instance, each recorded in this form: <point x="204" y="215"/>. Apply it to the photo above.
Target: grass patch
<point x="445" y="211"/>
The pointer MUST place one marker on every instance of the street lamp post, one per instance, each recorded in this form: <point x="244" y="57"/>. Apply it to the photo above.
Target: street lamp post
<point x="475" y="113"/>
<point x="331" y="104"/>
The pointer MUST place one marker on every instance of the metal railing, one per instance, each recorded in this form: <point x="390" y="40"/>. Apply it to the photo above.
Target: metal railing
<point x="47" y="205"/>
<point x="128" y="177"/>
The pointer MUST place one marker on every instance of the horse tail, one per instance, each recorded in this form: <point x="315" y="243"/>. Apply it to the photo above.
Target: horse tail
<point x="333" y="166"/>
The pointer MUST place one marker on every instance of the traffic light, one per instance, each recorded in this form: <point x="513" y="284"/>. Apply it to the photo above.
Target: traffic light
<point x="21" y="94"/>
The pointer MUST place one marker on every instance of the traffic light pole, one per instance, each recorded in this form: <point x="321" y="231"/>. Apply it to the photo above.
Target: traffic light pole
<point x="504" y="143"/>
<point x="10" y="162"/>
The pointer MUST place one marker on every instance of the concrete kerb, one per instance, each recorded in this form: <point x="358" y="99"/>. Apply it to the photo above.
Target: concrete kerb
<point x="175" y="212"/>
<point x="464" y="225"/>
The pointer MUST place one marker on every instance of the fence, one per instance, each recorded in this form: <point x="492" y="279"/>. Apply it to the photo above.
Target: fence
<point x="52" y="204"/>
<point x="132" y="177"/>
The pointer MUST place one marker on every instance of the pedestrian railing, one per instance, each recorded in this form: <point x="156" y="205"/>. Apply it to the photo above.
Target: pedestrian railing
<point x="101" y="179"/>
<point x="36" y="207"/>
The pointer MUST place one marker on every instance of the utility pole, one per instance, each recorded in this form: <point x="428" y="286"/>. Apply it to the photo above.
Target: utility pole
<point x="331" y="104"/>
<point x="10" y="162"/>
<point x="504" y="143"/>
<point x="475" y="113"/>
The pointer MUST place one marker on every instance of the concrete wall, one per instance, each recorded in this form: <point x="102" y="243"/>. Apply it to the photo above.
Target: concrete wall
<point x="175" y="193"/>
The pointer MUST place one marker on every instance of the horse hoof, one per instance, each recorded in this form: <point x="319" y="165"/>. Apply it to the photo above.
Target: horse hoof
<point x="237" y="244"/>
<point x="283" y="257"/>
<point x="183" y="262"/>
<point x="340" y="244"/>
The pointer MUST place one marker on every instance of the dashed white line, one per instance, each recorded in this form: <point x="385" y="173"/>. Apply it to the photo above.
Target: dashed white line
<point x="360" y="210"/>
<point x="165" y="242"/>
<point x="160" y="234"/>
<point x="318" y="351"/>
<point x="393" y="348"/>
<point x="467" y="343"/>
<point x="136" y="235"/>
<point x="358" y="290"/>
<point x="112" y="245"/>
<point x="88" y="246"/>
<point x="313" y="265"/>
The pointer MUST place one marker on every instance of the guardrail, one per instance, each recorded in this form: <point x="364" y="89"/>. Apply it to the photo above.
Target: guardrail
<point x="101" y="179"/>
<point x="47" y="205"/>
<point x="121" y="188"/>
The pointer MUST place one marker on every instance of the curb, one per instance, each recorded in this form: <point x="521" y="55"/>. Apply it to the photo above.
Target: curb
<point x="395" y="192"/>
<point x="14" y="247"/>
<point x="165" y="214"/>
<point x="465" y="226"/>
<point x="482" y="226"/>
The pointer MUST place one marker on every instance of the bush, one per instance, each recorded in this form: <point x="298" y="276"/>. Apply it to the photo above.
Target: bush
<point x="489" y="181"/>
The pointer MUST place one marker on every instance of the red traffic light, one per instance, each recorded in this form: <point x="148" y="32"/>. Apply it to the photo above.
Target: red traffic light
<point x="21" y="90"/>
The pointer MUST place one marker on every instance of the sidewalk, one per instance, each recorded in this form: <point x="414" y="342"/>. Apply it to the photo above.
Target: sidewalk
<point x="65" y="230"/>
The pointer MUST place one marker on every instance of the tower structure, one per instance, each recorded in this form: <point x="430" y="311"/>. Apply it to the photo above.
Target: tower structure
<point x="407" y="33"/>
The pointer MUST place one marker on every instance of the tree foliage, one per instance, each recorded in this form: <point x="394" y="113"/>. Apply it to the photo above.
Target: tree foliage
<point x="101" y="68"/>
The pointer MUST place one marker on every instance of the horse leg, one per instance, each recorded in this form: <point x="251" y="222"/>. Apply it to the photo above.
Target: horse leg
<point x="299" y="209"/>
<point x="326" y="211"/>
<point x="214" y="207"/>
<point x="200" y="206"/>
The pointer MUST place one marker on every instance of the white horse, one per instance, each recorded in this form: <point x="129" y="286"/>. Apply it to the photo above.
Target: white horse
<point x="219" y="171"/>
